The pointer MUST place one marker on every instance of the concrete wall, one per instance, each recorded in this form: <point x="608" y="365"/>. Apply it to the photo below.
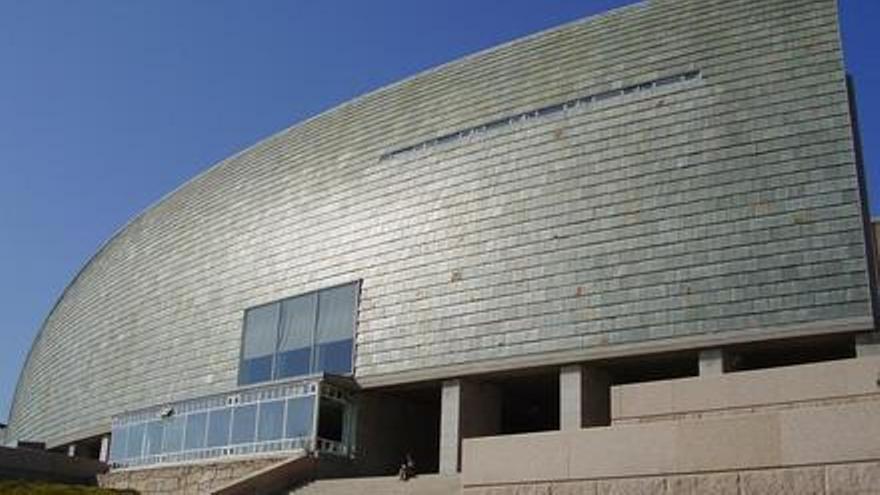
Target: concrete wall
<point x="810" y="426"/>
<point x="790" y="386"/>
<point x="837" y="479"/>
<point x="785" y="438"/>
<point x="718" y="210"/>
<point x="40" y="465"/>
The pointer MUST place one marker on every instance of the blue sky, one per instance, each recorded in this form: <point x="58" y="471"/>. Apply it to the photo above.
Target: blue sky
<point x="106" y="105"/>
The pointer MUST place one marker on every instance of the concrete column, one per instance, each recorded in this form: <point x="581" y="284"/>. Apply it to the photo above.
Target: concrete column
<point x="570" y="397"/>
<point x="104" y="455"/>
<point x="468" y="409"/>
<point x="450" y="414"/>
<point x="71" y="450"/>
<point x="868" y="344"/>
<point x="584" y="397"/>
<point x="712" y="362"/>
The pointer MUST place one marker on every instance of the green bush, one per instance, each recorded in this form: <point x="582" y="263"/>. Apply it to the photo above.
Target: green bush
<point x="17" y="487"/>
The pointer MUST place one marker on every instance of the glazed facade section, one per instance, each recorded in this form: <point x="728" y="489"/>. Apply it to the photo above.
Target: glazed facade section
<point x="308" y="334"/>
<point x="634" y="217"/>
<point x="284" y="418"/>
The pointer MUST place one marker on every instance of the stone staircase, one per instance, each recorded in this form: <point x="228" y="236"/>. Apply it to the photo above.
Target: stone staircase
<point x="426" y="484"/>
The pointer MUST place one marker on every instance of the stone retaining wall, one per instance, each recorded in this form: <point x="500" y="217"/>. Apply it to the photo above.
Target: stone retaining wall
<point x="836" y="479"/>
<point x="40" y="465"/>
<point x="184" y="479"/>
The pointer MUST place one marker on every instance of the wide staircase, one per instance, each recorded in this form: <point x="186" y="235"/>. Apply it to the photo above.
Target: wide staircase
<point x="425" y="484"/>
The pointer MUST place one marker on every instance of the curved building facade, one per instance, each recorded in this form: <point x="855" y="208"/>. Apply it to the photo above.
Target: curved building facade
<point x="670" y="176"/>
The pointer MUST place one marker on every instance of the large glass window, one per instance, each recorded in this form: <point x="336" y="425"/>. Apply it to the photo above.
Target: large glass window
<point x="196" y="425"/>
<point x="259" y="343"/>
<point x="304" y="414"/>
<point x="135" y="440"/>
<point x="334" y="336"/>
<point x="306" y="334"/>
<point x="295" y="344"/>
<point x="118" y="437"/>
<point x="218" y="427"/>
<point x="244" y="424"/>
<point x="300" y="411"/>
<point x="173" y="439"/>
<point x="271" y="422"/>
<point x="153" y="438"/>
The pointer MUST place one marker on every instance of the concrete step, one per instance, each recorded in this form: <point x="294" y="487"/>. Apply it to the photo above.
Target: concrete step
<point x="425" y="484"/>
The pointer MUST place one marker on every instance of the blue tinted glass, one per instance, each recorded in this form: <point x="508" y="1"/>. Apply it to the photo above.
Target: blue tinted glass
<point x="294" y="362"/>
<point x="173" y="439"/>
<point x="117" y="443"/>
<point x="334" y="333"/>
<point x="334" y="357"/>
<point x="244" y="424"/>
<point x="271" y="424"/>
<point x="299" y="417"/>
<point x="259" y="343"/>
<point x="255" y="370"/>
<point x="218" y="427"/>
<point x="260" y="331"/>
<point x="195" y="431"/>
<point x="153" y="438"/>
<point x="135" y="441"/>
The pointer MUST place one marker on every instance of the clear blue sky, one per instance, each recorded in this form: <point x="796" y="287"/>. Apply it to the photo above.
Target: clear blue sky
<point x="106" y="105"/>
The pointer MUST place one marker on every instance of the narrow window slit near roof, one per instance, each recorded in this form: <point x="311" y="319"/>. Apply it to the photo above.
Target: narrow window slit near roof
<point x="545" y="111"/>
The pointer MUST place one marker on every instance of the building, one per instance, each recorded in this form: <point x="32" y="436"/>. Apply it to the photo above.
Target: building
<point x="632" y="249"/>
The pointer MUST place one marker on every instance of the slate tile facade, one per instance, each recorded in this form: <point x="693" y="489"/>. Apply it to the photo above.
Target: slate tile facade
<point x="723" y="208"/>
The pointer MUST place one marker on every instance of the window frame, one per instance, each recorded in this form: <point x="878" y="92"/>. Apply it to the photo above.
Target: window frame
<point x="357" y="287"/>
<point x="273" y="356"/>
<point x="312" y="341"/>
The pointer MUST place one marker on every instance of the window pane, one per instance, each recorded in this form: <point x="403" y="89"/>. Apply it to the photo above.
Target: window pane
<point x="118" y="436"/>
<point x="153" y="438"/>
<point x="297" y="322"/>
<point x="195" y="431"/>
<point x="337" y="311"/>
<point x="244" y="424"/>
<point x="260" y="338"/>
<point x="135" y="441"/>
<point x="299" y="417"/>
<point x="255" y="370"/>
<point x="335" y="357"/>
<point x="271" y="424"/>
<point x="173" y="439"/>
<point x="218" y="427"/>
<point x="335" y="329"/>
<point x="297" y="328"/>
<point x="294" y="363"/>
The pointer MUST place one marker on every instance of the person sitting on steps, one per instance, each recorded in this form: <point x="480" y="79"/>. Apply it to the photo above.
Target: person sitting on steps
<point x="407" y="468"/>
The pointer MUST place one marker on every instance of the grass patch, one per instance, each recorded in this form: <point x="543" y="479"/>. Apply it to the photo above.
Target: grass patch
<point x="18" y="487"/>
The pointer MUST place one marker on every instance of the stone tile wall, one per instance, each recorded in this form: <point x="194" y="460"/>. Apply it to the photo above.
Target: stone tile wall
<point x="186" y="479"/>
